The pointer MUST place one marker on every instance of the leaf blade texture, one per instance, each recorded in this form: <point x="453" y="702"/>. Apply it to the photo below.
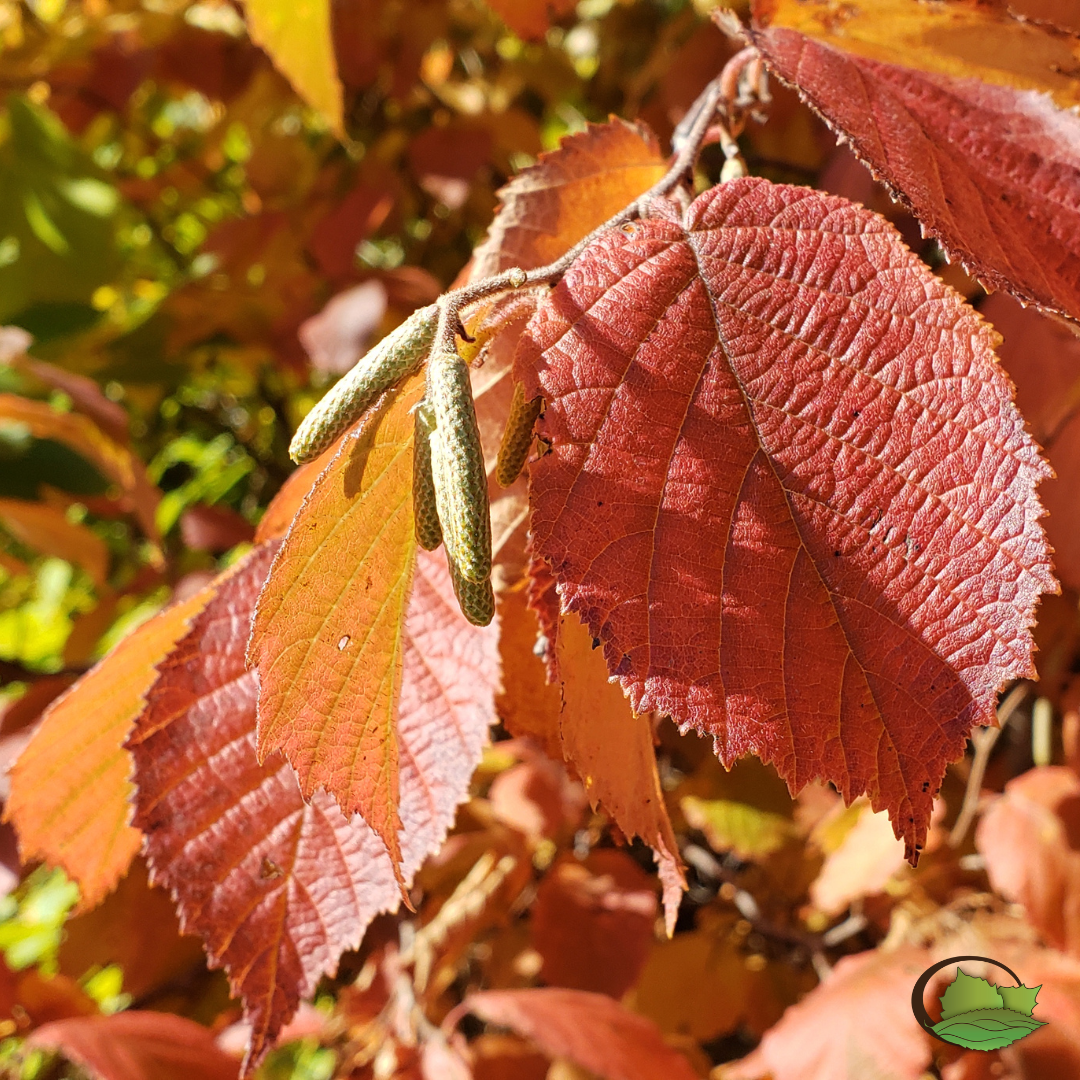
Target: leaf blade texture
<point x="991" y="171"/>
<point x="330" y="669"/>
<point x="276" y="887"/>
<point x="70" y="786"/>
<point x="762" y="475"/>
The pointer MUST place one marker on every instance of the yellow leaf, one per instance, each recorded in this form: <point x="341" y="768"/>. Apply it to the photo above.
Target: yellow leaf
<point x="296" y="35"/>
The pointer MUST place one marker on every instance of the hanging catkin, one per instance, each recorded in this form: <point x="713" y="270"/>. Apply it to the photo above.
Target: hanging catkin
<point x="398" y="354"/>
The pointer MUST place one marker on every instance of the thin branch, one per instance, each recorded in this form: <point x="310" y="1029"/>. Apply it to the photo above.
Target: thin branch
<point x="690" y="141"/>
<point x="984" y="739"/>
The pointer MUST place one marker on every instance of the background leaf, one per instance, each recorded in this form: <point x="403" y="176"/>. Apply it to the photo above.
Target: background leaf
<point x="70" y="787"/>
<point x="941" y="141"/>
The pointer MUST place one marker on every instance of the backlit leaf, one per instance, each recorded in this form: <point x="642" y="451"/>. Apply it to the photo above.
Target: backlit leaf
<point x="857" y="1023"/>
<point x="48" y="531"/>
<point x="788" y="489"/>
<point x="550" y="206"/>
<point x="296" y="37"/>
<point x="359" y="653"/>
<point x="592" y="1030"/>
<point x="1026" y="837"/>
<point x="277" y="887"/>
<point x="70" y="787"/>
<point x="611" y="748"/>
<point x="114" y="460"/>
<point x="991" y="171"/>
<point x="330" y="667"/>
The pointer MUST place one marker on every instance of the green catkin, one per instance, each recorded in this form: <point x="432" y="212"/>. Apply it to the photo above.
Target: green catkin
<point x="477" y="601"/>
<point x="398" y="354"/>
<point x="425" y="512"/>
<point x="457" y="464"/>
<point x="517" y="436"/>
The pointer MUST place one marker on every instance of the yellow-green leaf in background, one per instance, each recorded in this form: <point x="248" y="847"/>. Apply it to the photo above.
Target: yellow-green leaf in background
<point x="734" y="826"/>
<point x="296" y="36"/>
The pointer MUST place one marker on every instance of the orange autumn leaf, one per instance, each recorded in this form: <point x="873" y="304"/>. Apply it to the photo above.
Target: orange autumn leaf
<point x="550" y="206"/>
<point x="114" y="460"/>
<point x="328" y="632"/>
<point x="528" y="705"/>
<point x="70" y="787"/>
<point x="355" y="640"/>
<point x="48" y="530"/>
<point x="611" y="748"/>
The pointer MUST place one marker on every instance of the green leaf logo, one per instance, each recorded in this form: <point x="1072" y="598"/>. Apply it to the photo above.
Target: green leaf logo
<point x="975" y="1013"/>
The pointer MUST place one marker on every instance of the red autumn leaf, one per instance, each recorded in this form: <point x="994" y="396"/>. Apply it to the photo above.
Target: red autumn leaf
<point x="991" y="171"/>
<point x="788" y="489"/>
<point x="1042" y="355"/>
<point x="276" y="887"/>
<point x="70" y="787"/>
<point x="138" y="1046"/>
<point x="86" y="396"/>
<point x="530" y="19"/>
<point x="592" y="1030"/>
<point x="213" y="528"/>
<point x="858" y="1023"/>
<point x="376" y="676"/>
<point x="340" y="334"/>
<point x="550" y="206"/>
<point x="445" y="160"/>
<point x="1030" y="838"/>
<point x="593" y="922"/>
